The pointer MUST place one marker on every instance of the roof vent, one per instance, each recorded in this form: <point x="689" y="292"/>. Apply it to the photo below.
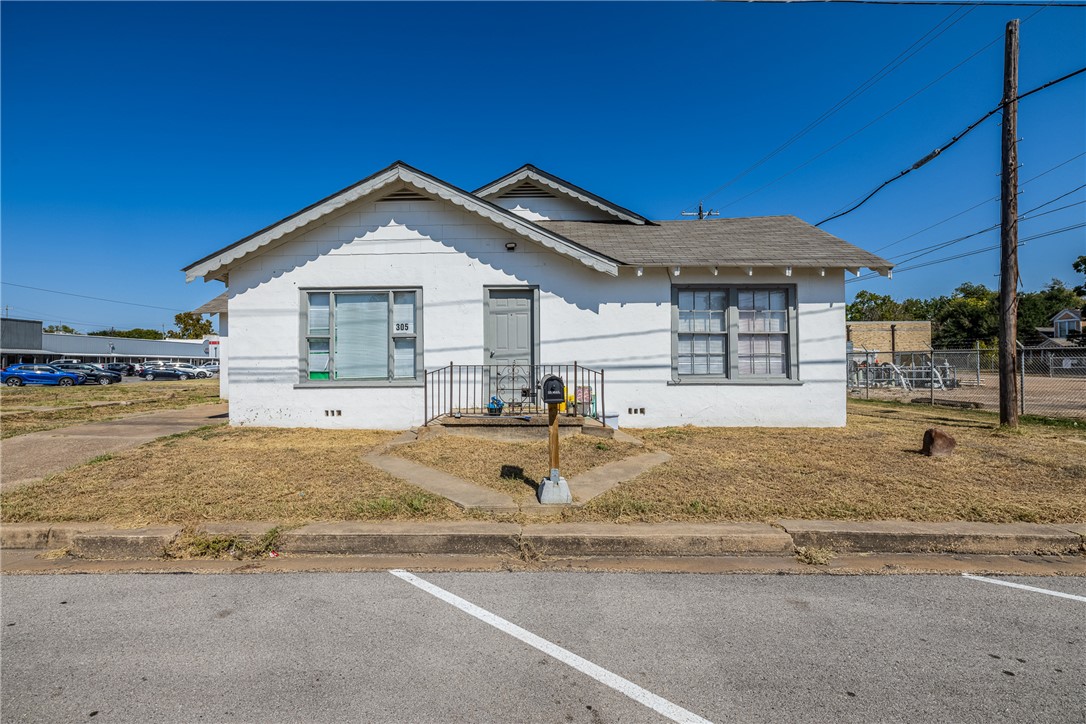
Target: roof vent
<point x="527" y="191"/>
<point x="405" y="194"/>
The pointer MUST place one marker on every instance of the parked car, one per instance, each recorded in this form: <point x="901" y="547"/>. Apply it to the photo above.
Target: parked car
<point x="141" y="367"/>
<point x="212" y="367"/>
<point x="121" y="368"/>
<point x="38" y="374"/>
<point x="95" y="375"/>
<point x="193" y="370"/>
<point x="164" y="373"/>
<point x="65" y="361"/>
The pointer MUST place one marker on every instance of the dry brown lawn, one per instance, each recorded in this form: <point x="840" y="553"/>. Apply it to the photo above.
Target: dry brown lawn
<point x="514" y="468"/>
<point x="222" y="473"/>
<point x="35" y="408"/>
<point x="870" y="470"/>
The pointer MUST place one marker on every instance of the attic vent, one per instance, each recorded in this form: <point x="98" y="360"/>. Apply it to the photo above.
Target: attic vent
<point x="527" y="191"/>
<point x="405" y="194"/>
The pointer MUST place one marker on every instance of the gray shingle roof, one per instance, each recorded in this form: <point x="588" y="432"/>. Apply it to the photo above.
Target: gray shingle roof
<point x="215" y="306"/>
<point x="755" y="241"/>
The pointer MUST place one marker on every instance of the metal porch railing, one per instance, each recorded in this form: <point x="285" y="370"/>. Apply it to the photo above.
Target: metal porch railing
<point x="467" y="389"/>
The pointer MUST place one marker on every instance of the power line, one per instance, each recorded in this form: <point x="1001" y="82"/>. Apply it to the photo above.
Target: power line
<point x="1052" y="201"/>
<point x="951" y="142"/>
<point x="870" y="123"/>
<point x="863" y="128"/>
<point x="48" y="319"/>
<point x="976" y="206"/>
<point x="855" y="93"/>
<point x="84" y="296"/>
<point x="923" y="251"/>
<point x="932" y="262"/>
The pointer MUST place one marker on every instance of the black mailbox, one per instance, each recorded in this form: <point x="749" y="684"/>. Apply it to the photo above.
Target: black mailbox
<point x="554" y="391"/>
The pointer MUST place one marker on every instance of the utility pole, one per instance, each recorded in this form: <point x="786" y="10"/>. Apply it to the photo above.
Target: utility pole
<point x="701" y="212"/>
<point x="1008" y="281"/>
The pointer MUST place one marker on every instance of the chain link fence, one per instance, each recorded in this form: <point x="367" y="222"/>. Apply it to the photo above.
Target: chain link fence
<point x="1051" y="381"/>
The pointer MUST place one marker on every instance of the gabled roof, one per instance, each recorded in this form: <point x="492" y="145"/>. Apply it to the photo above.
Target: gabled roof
<point x="755" y="242"/>
<point x="213" y="265"/>
<point x="547" y="180"/>
<point x="1070" y="312"/>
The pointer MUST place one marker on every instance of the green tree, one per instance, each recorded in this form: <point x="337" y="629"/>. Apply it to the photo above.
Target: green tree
<point x="134" y="333"/>
<point x="870" y="307"/>
<point x="191" y="325"/>
<point x="969" y="315"/>
<point x="59" y="329"/>
<point x="1079" y="265"/>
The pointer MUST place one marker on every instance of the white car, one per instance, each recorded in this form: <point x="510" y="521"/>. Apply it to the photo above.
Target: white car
<point x="193" y="370"/>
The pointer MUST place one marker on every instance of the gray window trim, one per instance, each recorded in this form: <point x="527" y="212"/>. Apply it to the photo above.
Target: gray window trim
<point x="303" y="321"/>
<point x="732" y="319"/>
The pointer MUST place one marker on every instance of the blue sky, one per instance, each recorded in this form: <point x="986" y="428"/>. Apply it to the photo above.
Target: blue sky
<point x="138" y="138"/>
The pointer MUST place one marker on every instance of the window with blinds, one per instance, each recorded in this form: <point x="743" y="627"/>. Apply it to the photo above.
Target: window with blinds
<point x="702" y="334"/>
<point x="731" y="333"/>
<point x="362" y="335"/>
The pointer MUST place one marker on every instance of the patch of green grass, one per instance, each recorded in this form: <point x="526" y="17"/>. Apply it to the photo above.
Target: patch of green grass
<point x="100" y="459"/>
<point x="227" y="546"/>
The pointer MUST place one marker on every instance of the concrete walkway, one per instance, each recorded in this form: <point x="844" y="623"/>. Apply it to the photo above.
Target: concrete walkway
<point x="27" y="458"/>
<point x="471" y="496"/>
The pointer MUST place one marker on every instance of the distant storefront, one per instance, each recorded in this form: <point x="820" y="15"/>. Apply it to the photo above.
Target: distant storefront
<point x="22" y="340"/>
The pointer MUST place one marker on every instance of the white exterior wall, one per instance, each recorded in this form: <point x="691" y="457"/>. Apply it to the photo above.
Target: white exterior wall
<point x="622" y="325"/>
<point x="560" y="208"/>
<point x="224" y="356"/>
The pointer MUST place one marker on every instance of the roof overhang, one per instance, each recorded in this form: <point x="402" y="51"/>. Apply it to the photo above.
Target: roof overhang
<point x="529" y="172"/>
<point x="215" y="266"/>
<point x="218" y="305"/>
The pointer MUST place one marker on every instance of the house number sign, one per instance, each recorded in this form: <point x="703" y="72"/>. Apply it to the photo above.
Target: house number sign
<point x="404" y="327"/>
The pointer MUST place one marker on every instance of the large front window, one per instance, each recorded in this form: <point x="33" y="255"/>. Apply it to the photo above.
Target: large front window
<point x="363" y="335"/>
<point x="734" y="333"/>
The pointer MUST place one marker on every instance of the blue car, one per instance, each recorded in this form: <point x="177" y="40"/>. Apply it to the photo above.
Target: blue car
<point x="30" y="374"/>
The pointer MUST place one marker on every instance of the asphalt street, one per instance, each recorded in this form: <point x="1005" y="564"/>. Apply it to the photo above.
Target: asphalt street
<point x="356" y="647"/>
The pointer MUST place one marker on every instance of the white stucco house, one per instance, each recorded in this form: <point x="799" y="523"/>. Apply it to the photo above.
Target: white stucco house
<point x="403" y="298"/>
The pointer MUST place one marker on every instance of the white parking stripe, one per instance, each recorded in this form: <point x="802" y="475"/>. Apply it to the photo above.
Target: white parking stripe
<point x="998" y="582"/>
<point x="616" y="682"/>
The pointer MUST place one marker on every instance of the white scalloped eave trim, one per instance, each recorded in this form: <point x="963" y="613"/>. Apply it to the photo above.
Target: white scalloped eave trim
<point x="293" y="224"/>
<point x="563" y="190"/>
<point x="514" y="224"/>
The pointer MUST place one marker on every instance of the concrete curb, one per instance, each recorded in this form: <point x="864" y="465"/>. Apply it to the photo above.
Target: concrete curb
<point x="889" y="536"/>
<point x="647" y="539"/>
<point x="385" y="538"/>
<point x="100" y="542"/>
<point x="123" y="544"/>
<point x="44" y="535"/>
